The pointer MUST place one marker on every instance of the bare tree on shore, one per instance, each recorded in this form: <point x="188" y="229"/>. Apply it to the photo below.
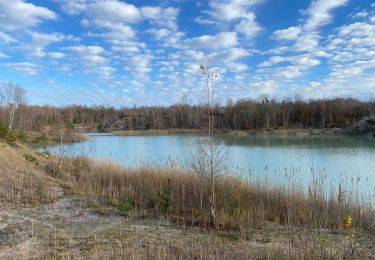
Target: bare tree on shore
<point x="13" y="96"/>
<point x="209" y="160"/>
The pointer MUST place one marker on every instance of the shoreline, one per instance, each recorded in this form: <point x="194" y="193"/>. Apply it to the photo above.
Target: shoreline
<point x="271" y="132"/>
<point x="40" y="139"/>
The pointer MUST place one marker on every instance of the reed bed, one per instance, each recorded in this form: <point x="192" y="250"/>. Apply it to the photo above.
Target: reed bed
<point x="183" y="196"/>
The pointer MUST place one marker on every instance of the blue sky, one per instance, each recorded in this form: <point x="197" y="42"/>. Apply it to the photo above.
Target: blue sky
<point x="123" y="53"/>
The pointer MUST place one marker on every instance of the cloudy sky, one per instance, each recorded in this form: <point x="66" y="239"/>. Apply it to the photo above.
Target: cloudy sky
<point x="123" y="53"/>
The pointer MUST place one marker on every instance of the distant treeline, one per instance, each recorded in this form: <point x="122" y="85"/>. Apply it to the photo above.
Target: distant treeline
<point x="240" y="115"/>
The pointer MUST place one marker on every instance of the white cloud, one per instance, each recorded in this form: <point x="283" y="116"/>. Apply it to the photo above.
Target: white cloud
<point x="113" y="11"/>
<point x="319" y="12"/>
<point x="73" y="7"/>
<point x="354" y="80"/>
<point x="139" y="64"/>
<point x="6" y="38"/>
<point x="56" y="55"/>
<point x="116" y="19"/>
<point x="273" y="60"/>
<point x="307" y="42"/>
<point x="169" y="38"/>
<point x="116" y="33"/>
<point x="105" y="71"/>
<point x="17" y="14"/>
<point x="165" y="17"/>
<point x="238" y="11"/>
<point x="126" y="49"/>
<point x="356" y="29"/>
<point x="89" y="55"/>
<point x="26" y="67"/>
<point x="160" y="34"/>
<point x="350" y="62"/>
<point x="352" y="42"/>
<point x="294" y="67"/>
<point x="352" y="50"/>
<point x="290" y="33"/>
<point x="361" y="14"/>
<point x="237" y="67"/>
<point x="248" y="26"/>
<point x="2" y="55"/>
<point x="39" y="41"/>
<point x="282" y="73"/>
<point x="43" y="39"/>
<point x="303" y="60"/>
<point x="229" y="56"/>
<point x="196" y="55"/>
<point x="352" y="70"/>
<point x="229" y="10"/>
<point x="119" y="32"/>
<point x="221" y="40"/>
<point x="307" y="36"/>
<point x="201" y="20"/>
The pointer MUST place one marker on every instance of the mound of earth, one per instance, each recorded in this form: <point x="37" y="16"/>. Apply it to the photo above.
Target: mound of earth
<point x="366" y="126"/>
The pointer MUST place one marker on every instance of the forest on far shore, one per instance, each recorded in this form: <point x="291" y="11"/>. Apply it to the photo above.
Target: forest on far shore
<point x="246" y="114"/>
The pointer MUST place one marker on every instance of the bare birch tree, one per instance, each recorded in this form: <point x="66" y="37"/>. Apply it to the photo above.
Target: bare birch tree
<point x="210" y="158"/>
<point x="14" y="97"/>
<point x="2" y="99"/>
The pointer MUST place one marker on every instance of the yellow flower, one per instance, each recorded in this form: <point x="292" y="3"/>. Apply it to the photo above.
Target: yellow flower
<point x="348" y="217"/>
<point x="350" y="234"/>
<point x="346" y="224"/>
<point x="347" y="221"/>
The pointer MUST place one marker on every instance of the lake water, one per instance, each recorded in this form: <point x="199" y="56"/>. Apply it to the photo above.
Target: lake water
<point x="350" y="160"/>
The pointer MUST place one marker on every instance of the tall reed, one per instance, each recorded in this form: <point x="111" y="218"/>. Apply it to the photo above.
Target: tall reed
<point x="240" y="204"/>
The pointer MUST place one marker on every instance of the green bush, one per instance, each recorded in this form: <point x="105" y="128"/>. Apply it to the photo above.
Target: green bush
<point x="11" y="138"/>
<point x="7" y="135"/>
<point x="22" y="136"/>
<point x="3" y="131"/>
<point x="126" y="202"/>
<point x="42" y="139"/>
<point x="147" y="126"/>
<point x="165" y="197"/>
<point x="70" y="125"/>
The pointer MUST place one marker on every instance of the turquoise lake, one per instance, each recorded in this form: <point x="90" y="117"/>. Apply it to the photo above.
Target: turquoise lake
<point x="277" y="159"/>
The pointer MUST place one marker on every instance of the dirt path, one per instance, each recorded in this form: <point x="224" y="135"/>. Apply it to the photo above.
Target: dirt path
<point x="29" y="231"/>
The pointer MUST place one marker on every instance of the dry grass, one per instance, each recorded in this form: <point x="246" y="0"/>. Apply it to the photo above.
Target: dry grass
<point x="240" y="204"/>
<point x="21" y="178"/>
